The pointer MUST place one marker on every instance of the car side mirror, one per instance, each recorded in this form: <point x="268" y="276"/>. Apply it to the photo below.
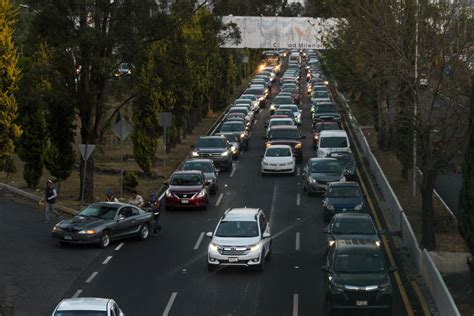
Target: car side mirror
<point x="326" y="231"/>
<point x="266" y="235"/>
<point x="325" y="268"/>
<point x="120" y="217"/>
<point x="392" y="268"/>
<point x="209" y="234"/>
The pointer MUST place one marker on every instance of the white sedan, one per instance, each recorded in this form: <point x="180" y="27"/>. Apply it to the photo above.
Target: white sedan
<point x="87" y="306"/>
<point x="278" y="159"/>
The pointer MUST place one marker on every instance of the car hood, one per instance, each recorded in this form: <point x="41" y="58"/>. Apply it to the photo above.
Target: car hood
<point x="233" y="241"/>
<point x="211" y="150"/>
<point x="278" y="159"/>
<point x="185" y="188"/>
<point x="360" y="279"/>
<point x="344" y="202"/>
<point x="80" y="222"/>
<point x="328" y="177"/>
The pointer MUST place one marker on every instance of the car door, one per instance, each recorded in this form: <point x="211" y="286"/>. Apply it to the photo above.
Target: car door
<point x="126" y="219"/>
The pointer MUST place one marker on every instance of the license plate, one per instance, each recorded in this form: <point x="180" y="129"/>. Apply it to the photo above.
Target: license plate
<point x="233" y="259"/>
<point x="67" y="237"/>
<point x="361" y="303"/>
<point x="185" y="201"/>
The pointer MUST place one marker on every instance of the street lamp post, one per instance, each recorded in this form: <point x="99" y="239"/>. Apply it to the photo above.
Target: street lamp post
<point x="415" y="105"/>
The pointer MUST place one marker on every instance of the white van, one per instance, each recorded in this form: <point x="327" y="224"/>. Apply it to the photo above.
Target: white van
<point x="331" y="141"/>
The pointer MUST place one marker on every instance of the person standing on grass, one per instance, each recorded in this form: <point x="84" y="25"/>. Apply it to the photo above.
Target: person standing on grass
<point x="50" y="195"/>
<point x="136" y="199"/>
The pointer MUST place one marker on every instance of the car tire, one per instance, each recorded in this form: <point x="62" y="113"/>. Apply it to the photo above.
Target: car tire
<point x="144" y="231"/>
<point x="104" y="241"/>
<point x="211" y="267"/>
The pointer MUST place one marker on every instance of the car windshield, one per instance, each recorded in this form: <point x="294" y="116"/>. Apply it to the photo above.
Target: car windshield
<point x="195" y="165"/>
<point x="326" y="127"/>
<point x="237" y="229"/>
<point x="232" y="127"/>
<point x="278" y="152"/>
<point x="239" y="110"/>
<point x="326" y="108"/>
<point x="284" y="134"/>
<point x="325" y="167"/>
<point x="249" y="97"/>
<point x="282" y="100"/>
<point x="186" y="179"/>
<point x="285" y="112"/>
<point x="231" y="138"/>
<point x="245" y="102"/>
<point x="333" y="142"/>
<point x="347" y="226"/>
<point x="256" y="91"/>
<point x="211" y="143"/>
<point x="99" y="210"/>
<point x="359" y="262"/>
<point x="320" y="94"/>
<point x="281" y="123"/>
<point x="292" y="108"/>
<point x="343" y="192"/>
<point x="80" y="313"/>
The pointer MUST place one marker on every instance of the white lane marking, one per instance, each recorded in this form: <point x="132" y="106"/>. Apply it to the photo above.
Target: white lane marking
<point x="119" y="246"/>
<point x="92" y="276"/>
<point x="297" y="241"/>
<point x="298" y="171"/>
<point x="107" y="260"/>
<point x="298" y="199"/>
<point x="272" y="209"/>
<point x="219" y="199"/>
<point x="198" y="242"/>
<point x="233" y="171"/>
<point x="170" y="303"/>
<point x="295" y="304"/>
<point x="78" y="292"/>
<point x="255" y="122"/>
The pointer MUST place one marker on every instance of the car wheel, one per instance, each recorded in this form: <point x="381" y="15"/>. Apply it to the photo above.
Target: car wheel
<point x="104" y="241"/>
<point x="144" y="231"/>
<point x="211" y="267"/>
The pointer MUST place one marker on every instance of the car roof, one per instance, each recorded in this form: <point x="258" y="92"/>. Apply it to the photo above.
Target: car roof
<point x="187" y="172"/>
<point x="202" y="160"/>
<point x="239" y="214"/>
<point x="353" y="215"/>
<point x="344" y="183"/>
<point x="212" y="136"/>
<point x="356" y="245"/>
<point x="84" y="303"/>
<point x="279" y="146"/>
<point x="332" y="133"/>
<point x="321" y="159"/>
<point x="281" y="119"/>
<point x="286" y="127"/>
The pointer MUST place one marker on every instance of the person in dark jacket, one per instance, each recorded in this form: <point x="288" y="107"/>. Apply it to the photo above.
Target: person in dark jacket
<point x="153" y="205"/>
<point x="50" y="195"/>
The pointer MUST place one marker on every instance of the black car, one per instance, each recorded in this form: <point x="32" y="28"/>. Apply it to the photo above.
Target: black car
<point x="99" y="223"/>
<point x="357" y="277"/>
<point x="342" y="197"/>
<point x="216" y="148"/>
<point x="347" y="226"/>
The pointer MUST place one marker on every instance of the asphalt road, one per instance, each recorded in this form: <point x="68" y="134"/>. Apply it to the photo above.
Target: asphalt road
<point x="167" y="275"/>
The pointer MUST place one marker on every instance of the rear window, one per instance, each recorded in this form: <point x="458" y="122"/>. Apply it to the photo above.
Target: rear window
<point x="186" y="179"/>
<point x="211" y="143"/>
<point x="278" y="152"/>
<point x="333" y="142"/>
<point x="232" y="127"/>
<point x="283" y="100"/>
<point x="283" y="134"/>
<point x="197" y="165"/>
<point x="281" y="123"/>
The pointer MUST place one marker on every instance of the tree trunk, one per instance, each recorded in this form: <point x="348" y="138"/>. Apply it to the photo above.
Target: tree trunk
<point x="89" y="180"/>
<point x="428" y="239"/>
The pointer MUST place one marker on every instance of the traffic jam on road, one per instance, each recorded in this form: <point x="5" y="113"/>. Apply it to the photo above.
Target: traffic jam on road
<point x="279" y="143"/>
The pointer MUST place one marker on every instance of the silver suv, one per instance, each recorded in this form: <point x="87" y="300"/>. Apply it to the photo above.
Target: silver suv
<point x="242" y="237"/>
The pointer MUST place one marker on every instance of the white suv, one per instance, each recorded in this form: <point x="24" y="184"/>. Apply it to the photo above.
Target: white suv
<point x="242" y="237"/>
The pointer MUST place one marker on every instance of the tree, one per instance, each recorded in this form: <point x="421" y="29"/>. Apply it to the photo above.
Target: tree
<point x="9" y="76"/>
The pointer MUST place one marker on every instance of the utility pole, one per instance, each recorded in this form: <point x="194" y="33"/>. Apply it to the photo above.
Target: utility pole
<point x="415" y="105"/>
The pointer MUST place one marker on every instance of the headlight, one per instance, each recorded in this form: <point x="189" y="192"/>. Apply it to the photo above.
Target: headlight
<point x="255" y="247"/>
<point x="377" y="243"/>
<point x="195" y="154"/>
<point x="234" y="150"/>
<point x="331" y="243"/>
<point x="289" y="163"/>
<point x="57" y="229"/>
<point x="329" y="206"/>
<point x="168" y="193"/>
<point x="225" y="153"/>
<point x="385" y="287"/>
<point x="88" y="232"/>
<point x="311" y="179"/>
<point x="202" y="193"/>
<point x="242" y="135"/>
<point x="264" y="163"/>
<point x="299" y="145"/>
<point x="358" y="207"/>
<point x="213" y="247"/>
<point x="268" y="145"/>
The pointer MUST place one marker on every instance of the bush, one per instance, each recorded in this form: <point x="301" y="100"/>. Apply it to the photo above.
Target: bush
<point x="130" y="181"/>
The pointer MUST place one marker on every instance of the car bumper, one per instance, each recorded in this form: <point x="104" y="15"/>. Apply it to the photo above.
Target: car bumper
<point x="278" y="169"/>
<point x="250" y="259"/>
<point x="378" y="301"/>
<point x="75" y="238"/>
<point x="185" y="203"/>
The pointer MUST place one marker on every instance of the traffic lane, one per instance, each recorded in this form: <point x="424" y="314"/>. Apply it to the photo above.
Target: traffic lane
<point x="35" y="270"/>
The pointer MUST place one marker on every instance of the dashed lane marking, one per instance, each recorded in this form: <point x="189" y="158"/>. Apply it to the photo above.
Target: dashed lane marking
<point x="78" y="292"/>
<point x="298" y="199"/>
<point x="298" y="171"/>
<point x="91" y="277"/>
<point x="107" y="260"/>
<point x="295" y="304"/>
<point x="198" y="242"/>
<point x="233" y="171"/>
<point x="219" y="199"/>
<point x="119" y="246"/>
<point x="170" y="303"/>
<point x="297" y="241"/>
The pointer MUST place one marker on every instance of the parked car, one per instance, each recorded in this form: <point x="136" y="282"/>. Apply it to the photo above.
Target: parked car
<point x="208" y="169"/>
<point x="242" y="237"/>
<point x="357" y="277"/>
<point x="342" y="197"/>
<point x="87" y="306"/>
<point x="187" y="189"/>
<point x="100" y="223"/>
<point x="319" y="172"/>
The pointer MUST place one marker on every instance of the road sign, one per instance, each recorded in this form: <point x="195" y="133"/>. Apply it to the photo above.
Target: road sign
<point x="165" y="119"/>
<point x="86" y="150"/>
<point x="122" y="129"/>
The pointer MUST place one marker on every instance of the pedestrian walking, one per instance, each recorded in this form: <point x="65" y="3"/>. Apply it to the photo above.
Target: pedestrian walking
<point x="153" y="205"/>
<point x="50" y="195"/>
<point x="136" y="199"/>
<point x="110" y="197"/>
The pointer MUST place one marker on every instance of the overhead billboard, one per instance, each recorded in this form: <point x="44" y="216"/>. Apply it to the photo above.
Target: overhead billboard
<point x="279" y="32"/>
